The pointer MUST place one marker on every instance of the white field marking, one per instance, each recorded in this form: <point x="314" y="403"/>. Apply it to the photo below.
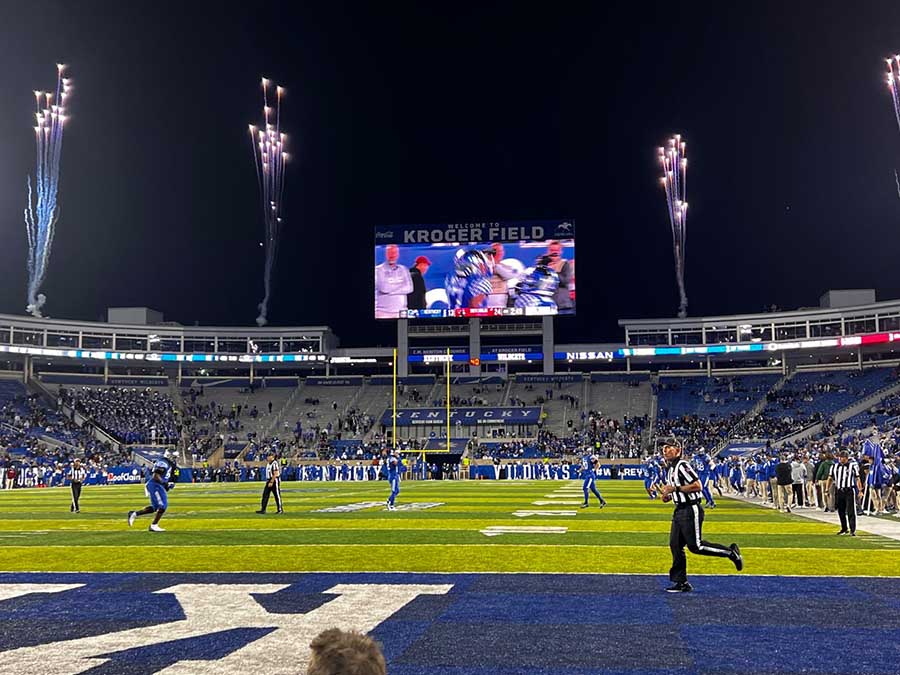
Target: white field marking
<point x="227" y="509"/>
<point x="349" y="508"/>
<point x="497" y="530"/>
<point x="444" y="573"/>
<point x="417" y="506"/>
<point x="170" y="547"/>
<point x="563" y="495"/>
<point x="526" y="514"/>
<point x="9" y="591"/>
<point x="25" y="533"/>
<point x="210" y="608"/>
<point x="554" y="503"/>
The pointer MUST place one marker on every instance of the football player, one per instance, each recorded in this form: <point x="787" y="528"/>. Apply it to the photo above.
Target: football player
<point x="650" y="469"/>
<point x="538" y="287"/>
<point x="392" y="464"/>
<point x="469" y="284"/>
<point x="589" y="466"/>
<point x="162" y="479"/>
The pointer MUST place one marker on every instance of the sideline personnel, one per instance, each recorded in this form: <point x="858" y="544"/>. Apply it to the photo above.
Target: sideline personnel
<point x="683" y="487"/>
<point x="77" y="474"/>
<point x="845" y="478"/>
<point x="273" y="485"/>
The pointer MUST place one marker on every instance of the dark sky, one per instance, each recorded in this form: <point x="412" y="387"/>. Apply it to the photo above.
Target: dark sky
<point x="442" y="112"/>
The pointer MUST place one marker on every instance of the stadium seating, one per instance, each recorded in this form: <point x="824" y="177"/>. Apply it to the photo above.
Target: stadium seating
<point x="719" y="397"/>
<point x="620" y="396"/>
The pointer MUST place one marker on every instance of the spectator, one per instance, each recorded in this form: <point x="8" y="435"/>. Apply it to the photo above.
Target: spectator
<point x="336" y="652"/>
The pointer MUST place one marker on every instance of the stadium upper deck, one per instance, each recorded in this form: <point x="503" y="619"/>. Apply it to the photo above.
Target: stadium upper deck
<point x="847" y="334"/>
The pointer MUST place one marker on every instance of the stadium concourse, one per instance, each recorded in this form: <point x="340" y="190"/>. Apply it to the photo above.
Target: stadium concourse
<point x="488" y="563"/>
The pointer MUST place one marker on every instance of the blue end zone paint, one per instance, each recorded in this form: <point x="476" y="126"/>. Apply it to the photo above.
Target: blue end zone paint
<point x="506" y="624"/>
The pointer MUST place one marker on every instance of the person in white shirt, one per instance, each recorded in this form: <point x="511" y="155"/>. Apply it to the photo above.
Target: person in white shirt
<point x="392" y="284"/>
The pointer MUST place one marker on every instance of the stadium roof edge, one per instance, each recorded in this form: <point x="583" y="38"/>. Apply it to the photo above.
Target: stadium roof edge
<point x="47" y="322"/>
<point x="764" y="317"/>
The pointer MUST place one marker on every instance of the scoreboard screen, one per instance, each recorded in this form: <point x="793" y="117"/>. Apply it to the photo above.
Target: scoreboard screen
<point x="475" y="270"/>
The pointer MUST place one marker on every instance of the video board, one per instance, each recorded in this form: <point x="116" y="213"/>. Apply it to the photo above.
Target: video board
<point x="475" y="270"/>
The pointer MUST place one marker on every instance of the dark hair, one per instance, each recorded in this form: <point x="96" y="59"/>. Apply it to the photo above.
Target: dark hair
<point x="337" y="652"/>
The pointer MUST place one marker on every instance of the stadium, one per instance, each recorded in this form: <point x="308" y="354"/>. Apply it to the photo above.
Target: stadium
<point x="491" y="514"/>
<point x="334" y="403"/>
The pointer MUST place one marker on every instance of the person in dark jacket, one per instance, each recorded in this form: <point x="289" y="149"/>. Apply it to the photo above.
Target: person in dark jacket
<point x="785" y="484"/>
<point x="416" y="299"/>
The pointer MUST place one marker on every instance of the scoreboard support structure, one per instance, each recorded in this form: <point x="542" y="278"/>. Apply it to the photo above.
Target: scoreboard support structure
<point x="473" y="330"/>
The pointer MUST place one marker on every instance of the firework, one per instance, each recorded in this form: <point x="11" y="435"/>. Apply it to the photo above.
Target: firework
<point x="673" y="163"/>
<point x="893" y="81"/>
<point x="42" y="212"/>
<point x="269" y="157"/>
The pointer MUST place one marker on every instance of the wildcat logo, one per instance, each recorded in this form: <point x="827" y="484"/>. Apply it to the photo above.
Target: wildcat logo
<point x="211" y="609"/>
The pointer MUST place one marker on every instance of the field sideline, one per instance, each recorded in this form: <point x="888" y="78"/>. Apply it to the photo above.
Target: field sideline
<point x="213" y="528"/>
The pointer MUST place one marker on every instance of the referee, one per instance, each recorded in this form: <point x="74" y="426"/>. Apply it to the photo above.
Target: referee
<point x="683" y="487"/>
<point x="845" y="478"/>
<point x="77" y="474"/>
<point x="273" y="484"/>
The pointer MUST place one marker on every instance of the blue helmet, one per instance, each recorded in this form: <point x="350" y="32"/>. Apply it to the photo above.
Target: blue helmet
<point x="473" y="263"/>
<point x="538" y="287"/>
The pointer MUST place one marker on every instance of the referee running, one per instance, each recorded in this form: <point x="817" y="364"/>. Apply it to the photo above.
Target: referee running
<point x="77" y="474"/>
<point x="845" y="478"/>
<point x="273" y="484"/>
<point x="683" y="487"/>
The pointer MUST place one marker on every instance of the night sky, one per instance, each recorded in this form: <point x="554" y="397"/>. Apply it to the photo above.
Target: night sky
<point x="442" y="112"/>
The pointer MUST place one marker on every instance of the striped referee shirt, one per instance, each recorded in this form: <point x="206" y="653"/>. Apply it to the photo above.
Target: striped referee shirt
<point x="844" y="475"/>
<point x="77" y="475"/>
<point x="680" y="475"/>
<point x="273" y="470"/>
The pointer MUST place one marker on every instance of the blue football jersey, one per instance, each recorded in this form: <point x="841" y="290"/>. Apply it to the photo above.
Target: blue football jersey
<point x="165" y="468"/>
<point x="393" y="467"/>
<point x="587" y="467"/>
<point x="538" y="288"/>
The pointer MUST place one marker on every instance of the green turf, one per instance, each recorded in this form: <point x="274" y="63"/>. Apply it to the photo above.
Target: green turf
<point x="214" y="528"/>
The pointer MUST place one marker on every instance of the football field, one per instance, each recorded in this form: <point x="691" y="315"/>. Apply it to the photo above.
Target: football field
<point x="465" y="578"/>
<point x="440" y="526"/>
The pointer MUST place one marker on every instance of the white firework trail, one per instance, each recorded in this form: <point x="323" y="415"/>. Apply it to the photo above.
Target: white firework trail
<point x="673" y="163"/>
<point x="42" y="211"/>
<point x="893" y="81"/>
<point x="269" y="157"/>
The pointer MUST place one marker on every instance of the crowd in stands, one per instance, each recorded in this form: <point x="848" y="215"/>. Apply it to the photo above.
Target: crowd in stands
<point x="613" y="439"/>
<point x="695" y="432"/>
<point x="355" y="423"/>
<point x="128" y="415"/>
<point x="710" y="396"/>
<point x="38" y="442"/>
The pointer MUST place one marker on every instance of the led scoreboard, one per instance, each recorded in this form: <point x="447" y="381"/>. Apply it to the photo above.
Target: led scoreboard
<point x="475" y="270"/>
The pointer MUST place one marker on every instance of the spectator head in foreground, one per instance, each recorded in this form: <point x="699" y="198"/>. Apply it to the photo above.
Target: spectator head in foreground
<point x="337" y="652"/>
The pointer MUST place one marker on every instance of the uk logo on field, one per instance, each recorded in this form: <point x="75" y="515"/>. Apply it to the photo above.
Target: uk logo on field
<point x="192" y="628"/>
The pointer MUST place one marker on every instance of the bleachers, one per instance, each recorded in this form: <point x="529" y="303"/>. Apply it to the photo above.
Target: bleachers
<point x="618" y="398"/>
<point x="332" y="401"/>
<point x="823" y="393"/>
<point x="470" y="394"/>
<point x="230" y="397"/>
<point x="717" y="396"/>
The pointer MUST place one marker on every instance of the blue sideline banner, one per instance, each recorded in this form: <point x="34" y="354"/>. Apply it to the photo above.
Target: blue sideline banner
<point x="539" y="471"/>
